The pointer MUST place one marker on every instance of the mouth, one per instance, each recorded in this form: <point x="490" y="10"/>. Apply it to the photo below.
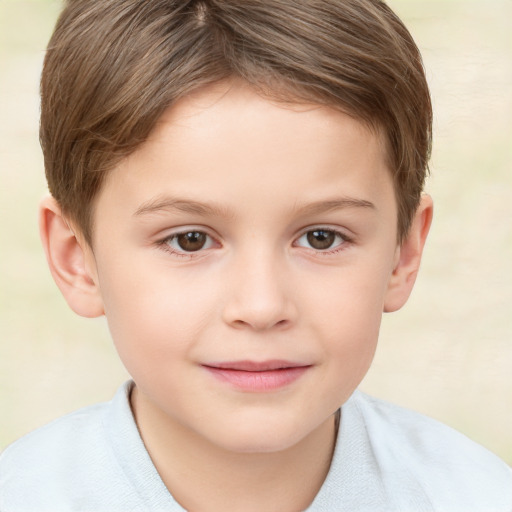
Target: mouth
<point x="257" y="376"/>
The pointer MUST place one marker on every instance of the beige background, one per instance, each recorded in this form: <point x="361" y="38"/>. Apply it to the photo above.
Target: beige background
<point x="448" y="353"/>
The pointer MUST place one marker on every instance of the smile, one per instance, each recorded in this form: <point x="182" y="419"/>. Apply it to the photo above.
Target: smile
<point x="255" y="376"/>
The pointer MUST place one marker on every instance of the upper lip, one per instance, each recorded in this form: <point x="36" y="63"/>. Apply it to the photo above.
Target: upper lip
<point x="256" y="366"/>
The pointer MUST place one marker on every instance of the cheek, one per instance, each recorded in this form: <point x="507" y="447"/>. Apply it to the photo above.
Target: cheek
<point x="349" y="299"/>
<point x="154" y="315"/>
<point x="351" y="344"/>
<point x="352" y="335"/>
<point x="349" y="311"/>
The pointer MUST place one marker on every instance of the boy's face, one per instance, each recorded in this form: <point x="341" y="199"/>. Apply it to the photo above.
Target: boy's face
<point x="243" y="255"/>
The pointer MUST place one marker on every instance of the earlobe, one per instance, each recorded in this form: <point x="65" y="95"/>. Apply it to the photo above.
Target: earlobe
<point x="70" y="261"/>
<point x="409" y="257"/>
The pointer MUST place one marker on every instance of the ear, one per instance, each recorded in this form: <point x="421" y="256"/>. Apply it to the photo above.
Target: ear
<point x="71" y="261"/>
<point x="408" y="257"/>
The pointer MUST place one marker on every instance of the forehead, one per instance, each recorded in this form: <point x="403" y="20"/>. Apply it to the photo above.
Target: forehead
<point x="235" y="103"/>
<point x="234" y="146"/>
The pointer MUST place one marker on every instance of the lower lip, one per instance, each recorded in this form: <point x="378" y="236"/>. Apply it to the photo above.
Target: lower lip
<point x="270" y="380"/>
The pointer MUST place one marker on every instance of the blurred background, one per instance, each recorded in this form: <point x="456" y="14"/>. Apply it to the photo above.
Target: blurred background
<point x="447" y="354"/>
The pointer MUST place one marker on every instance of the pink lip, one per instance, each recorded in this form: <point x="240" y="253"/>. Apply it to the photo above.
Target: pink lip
<point x="257" y="376"/>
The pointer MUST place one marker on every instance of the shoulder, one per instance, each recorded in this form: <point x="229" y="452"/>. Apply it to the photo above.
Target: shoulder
<point x="85" y="422"/>
<point x="452" y="471"/>
<point x="61" y="465"/>
<point x="44" y="444"/>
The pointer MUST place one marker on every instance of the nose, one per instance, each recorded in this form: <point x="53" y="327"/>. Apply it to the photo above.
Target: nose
<point x="259" y="294"/>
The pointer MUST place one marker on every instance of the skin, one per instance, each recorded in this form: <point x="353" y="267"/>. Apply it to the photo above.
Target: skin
<point x="254" y="178"/>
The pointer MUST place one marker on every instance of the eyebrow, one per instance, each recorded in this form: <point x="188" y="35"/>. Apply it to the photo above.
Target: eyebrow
<point x="167" y="204"/>
<point x="341" y="203"/>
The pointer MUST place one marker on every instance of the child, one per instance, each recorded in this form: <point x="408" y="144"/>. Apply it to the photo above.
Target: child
<point x="237" y="187"/>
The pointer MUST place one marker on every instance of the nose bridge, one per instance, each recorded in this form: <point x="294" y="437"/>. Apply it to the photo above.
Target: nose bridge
<point x="258" y="294"/>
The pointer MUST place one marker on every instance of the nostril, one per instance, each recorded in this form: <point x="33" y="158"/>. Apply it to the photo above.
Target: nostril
<point x="259" y="305"/>
<point x="260" y="325"/>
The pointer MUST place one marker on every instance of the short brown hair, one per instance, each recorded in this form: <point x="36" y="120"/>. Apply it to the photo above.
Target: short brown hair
<point x="113" y="66"/>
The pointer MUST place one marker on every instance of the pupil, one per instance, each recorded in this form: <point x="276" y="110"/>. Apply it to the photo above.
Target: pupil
<point x="321" y="239"/>
<point x="192" y="241"/>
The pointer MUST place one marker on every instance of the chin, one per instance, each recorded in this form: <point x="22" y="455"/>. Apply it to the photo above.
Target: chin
<point x="260" y="444"/>
<point x="261" y="436"/>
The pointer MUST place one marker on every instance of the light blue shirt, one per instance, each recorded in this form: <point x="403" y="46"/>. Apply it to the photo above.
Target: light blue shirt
<point x="387" y="459"/>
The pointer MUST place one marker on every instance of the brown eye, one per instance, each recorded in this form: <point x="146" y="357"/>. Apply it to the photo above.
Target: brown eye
<point x="191" y="241"/>
<point x="321" y="239"/>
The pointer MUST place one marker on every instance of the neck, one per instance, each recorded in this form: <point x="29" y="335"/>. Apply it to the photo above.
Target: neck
<point x="204" y="477"/>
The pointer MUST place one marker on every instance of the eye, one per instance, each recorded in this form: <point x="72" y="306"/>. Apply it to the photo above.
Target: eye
<point x="321" y="239"/>
<point x="189" y="241"/>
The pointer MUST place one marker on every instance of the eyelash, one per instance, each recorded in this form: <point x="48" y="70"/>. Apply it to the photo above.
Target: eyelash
<point x="164" y="244"/>
<point x="345" y="240"/>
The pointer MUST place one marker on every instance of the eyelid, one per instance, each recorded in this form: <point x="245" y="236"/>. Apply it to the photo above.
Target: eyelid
<point x="346" y="238"/>
<point x="163" y="241"/>
<point x="342" y="231"/>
